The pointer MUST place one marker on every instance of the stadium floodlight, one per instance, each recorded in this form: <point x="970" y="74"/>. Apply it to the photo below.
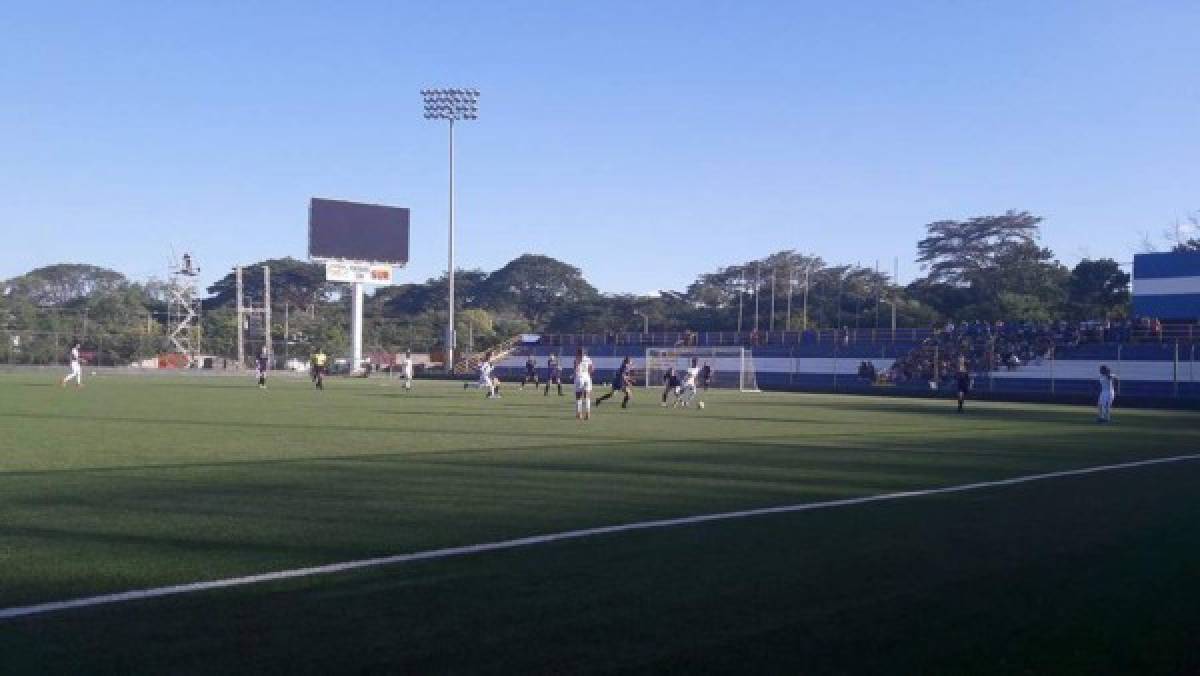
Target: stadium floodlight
<point x="452" y="105"/>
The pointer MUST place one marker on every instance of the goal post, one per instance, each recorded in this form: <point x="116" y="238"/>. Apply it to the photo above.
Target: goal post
<point x="732" y="367"/>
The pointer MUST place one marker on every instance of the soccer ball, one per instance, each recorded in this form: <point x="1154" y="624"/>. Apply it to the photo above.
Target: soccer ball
<point x="700" y="405"/>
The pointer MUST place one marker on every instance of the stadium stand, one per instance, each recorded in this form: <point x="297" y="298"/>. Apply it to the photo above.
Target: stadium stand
<point x="1057" y="360"/>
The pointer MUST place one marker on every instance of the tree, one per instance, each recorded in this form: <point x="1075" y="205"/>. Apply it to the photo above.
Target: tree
<point x="292" y="281"/>
<point x="535" y="285"/>
<point x="64" y="282"/>
<point x="954" y="250"/>
<point x="1098" y="288"/>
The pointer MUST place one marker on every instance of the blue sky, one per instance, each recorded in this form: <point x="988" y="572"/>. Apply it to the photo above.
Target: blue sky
<point x="645" y="142"/>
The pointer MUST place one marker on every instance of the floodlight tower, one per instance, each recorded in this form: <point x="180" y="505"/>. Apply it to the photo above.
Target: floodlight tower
<point x="451" y="105"/>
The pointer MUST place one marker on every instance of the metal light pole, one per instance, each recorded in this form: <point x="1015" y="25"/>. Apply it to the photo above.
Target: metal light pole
<point x="771" y="323"/>
<point x="645" y="321"/>
<point x="787" y="320"/>
<point x="757" y="286"/>
<point x="451" y="105"/>
<point x="741" y="294"/>
<point x="805" y="315"/>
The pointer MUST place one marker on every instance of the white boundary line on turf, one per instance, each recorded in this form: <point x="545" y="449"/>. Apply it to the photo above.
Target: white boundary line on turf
<point x="139" y="594"/>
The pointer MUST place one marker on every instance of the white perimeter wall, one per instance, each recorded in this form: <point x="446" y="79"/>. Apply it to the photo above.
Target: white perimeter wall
<point x="1155" y="371"/>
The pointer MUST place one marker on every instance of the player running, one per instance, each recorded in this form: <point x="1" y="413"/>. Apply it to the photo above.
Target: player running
<point x="553" y="375"/>
<point x="406" y="370"/>
<point x="583" y="385"/>
<point x="671" y="384"/>
<point x="76" y="373"/>
<point x="622" y="382"/>
<point x="689" y="385"/>
<point x="1108" y="394"/>
<point x="962" y="380"/>
<point x="706" y="375"/>
<point x="486" y="381"/>
<point x="530" y="373"/>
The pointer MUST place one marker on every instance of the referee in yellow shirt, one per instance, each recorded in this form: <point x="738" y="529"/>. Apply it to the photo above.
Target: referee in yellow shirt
<point x="318" y="365"/>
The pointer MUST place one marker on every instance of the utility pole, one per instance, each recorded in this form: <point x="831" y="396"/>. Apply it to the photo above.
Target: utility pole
<point x="757" y="286"/>
<point x="787" y="321"/>
<point x="268" y="347"/>
<point x="241" y="317"/>
<point x="774" y="274"/>
<point x="805" y="319"/>
<point x="741" y="293"/>
<point x="287" y="354"/>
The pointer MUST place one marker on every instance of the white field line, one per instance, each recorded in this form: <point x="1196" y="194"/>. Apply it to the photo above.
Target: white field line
<point x="139" y="594"/>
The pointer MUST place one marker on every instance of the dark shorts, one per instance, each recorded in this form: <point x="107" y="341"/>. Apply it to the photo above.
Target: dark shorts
<point x="964" y="384"/>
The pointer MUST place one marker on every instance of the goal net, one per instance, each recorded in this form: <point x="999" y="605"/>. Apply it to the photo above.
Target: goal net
<point x="732" y="367"/>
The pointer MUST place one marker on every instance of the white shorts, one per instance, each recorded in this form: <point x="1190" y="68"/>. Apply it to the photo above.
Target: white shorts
<point x="584" y="385"/>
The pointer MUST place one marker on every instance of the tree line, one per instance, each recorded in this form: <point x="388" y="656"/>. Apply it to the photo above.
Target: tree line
<point x="988" y="267"/>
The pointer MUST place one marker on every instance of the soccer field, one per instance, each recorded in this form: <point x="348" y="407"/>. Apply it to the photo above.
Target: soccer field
<point x="137" y="483"/>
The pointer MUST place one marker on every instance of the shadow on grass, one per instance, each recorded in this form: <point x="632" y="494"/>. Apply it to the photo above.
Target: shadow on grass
<point x="293" y="426"/>
<point x="381" y="456"/>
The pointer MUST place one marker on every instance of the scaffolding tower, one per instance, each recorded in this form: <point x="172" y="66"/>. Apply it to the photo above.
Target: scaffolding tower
<point x="183" y="310"/>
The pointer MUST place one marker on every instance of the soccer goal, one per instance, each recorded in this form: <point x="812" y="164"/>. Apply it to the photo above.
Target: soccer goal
<point x="732" y="367"/>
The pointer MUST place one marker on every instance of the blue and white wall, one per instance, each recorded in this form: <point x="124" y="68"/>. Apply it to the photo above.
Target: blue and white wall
<point x="1167" y="285"/>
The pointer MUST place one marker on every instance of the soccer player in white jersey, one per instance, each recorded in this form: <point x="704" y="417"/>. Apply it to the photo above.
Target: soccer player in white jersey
<point x="689" y="384"/>
<point x="583" y="385"/>
<point x="1108" y="394"/>
<point x="76" y="373"/>
<point x="486" y="381"/>
<point x="406" y="370"/>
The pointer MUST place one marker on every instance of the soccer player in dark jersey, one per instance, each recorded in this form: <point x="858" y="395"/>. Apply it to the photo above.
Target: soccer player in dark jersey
<point x="622" y="382"/>
<point x="553" y="375"/>
<point x="530" y="373"/>
<point x="706" y="376"/>
<point x="962" y="379"/>
<point x="671" y="384"/>
<point x="261" y="364"/>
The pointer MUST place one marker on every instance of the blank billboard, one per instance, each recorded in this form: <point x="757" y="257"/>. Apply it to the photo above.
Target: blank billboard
<point x="357" y="232"/>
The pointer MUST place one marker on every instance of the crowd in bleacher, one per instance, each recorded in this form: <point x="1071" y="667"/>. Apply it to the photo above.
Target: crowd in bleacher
<point x="992" y="346"/>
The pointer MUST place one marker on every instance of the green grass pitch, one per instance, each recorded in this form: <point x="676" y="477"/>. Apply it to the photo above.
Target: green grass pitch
<point x="134" y="482"/>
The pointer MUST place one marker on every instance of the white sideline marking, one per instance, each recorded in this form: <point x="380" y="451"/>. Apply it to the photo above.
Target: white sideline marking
<point x="138" y="594"/>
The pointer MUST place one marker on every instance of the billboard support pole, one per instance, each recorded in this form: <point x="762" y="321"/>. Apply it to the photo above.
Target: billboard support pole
<point x="357" y="331"/>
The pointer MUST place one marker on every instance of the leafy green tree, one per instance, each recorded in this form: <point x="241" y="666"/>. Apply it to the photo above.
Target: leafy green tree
<point x="55" y="285"/>
<point x="1098" y="288"/>
<point x="954" y="250"/>
<point x="534" y="285"/>
<point x="295" y="282"/>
